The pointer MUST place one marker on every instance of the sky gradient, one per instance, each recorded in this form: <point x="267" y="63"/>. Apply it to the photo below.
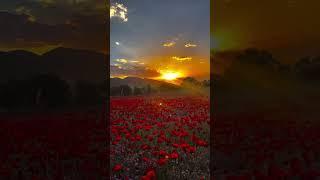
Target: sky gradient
<point x="289" y="29"/>
<point x="150" y="37"/>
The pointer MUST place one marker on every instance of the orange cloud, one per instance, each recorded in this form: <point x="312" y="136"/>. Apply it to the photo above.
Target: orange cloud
<point x="188" y="45"/>
<point x="134" y="61"/>
<point x="169" y="44"/>
<point x="182" y="58"/>
<point x="124" y="61"/>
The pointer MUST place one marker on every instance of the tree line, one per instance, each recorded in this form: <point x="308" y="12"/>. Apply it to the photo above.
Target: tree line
<point x="255" y="77"/>
<point x="187" y="83"/>
<point x="49" y="91"/>
<point x="126" y="90"/>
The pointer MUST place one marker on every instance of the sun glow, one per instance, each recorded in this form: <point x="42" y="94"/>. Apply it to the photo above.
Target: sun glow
<point x="170" y="75"/>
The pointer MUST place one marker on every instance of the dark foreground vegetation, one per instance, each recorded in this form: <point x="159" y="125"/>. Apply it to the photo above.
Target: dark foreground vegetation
<point x="53" y="115"/>
<point x="266" y="118"/>
<point x="61" y="78"/>
<point x="64" y="145"/>
<point x="48" y="91"/>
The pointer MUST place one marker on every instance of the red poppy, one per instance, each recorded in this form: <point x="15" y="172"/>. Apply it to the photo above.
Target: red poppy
<point x="145" y="178"/>
<point x="128" y="135"/>
<point x="150" y="138"/>
<point x="160" y="140"/>
<point x="114" y="142"/>
<point x="162" y="161"/>
<point x="191" y="149"/>
<point x="151" y="173"/>
<point x="174" y="155"/>
<point x="118" y="138"/>
<point x="184" y="145"/>
<point x="162" y="153"/>
<point x="175" y="145"/>
<point x="202" y="143"/>
<point x="145" y="159"/>
<point x="117" y="167"/>
<point x="145" y="147"/>
<point x="138" y="137"/>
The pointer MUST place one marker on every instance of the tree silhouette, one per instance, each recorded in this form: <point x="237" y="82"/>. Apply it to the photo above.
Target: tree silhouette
<point x="206" y="83"/>
<point x="251" y="68"/>
<point x="258" y="57"/>
<point x="50" y="91"/>
<point x="87" y="93"/>
<point x="137" y="91"/>
<point x="149" y="90"/>
<point x="15" y="94"/>
<point x="125" y="90"/>
<point x="189" y="81"/>
<point x="115" y="91"/>
<point x="308" y="68"/>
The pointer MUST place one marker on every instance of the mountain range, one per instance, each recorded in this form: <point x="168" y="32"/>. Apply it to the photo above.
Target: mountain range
<point x="68" y="64"/>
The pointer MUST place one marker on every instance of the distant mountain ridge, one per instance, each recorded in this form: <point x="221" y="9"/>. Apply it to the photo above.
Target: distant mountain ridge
<point x="69" y="64"/>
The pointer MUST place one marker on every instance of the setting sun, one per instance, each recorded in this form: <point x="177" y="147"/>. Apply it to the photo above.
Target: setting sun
<point x="170" y="75"/>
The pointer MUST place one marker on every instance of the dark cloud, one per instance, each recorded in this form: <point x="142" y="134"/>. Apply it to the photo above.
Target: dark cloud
<point x="82" y="31"/>
<point x="57" y="11"/>
<point x="80" y="24"/>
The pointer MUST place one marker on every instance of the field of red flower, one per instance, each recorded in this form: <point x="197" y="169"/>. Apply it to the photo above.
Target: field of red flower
<point x="160" y="138"/>
<point x="283" y="144"/>
<point x="53" y="146"/>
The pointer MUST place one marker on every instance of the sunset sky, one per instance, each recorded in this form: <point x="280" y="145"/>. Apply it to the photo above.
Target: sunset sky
<point x="167" y="38"/>
<point x="41" y="25"/>
<point x="289" y="29"/>
<point x="150" y="38"/>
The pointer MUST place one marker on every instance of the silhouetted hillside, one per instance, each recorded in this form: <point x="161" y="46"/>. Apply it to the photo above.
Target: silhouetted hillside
<point x="68" y="64"/>
<point x="62" y="77"/>
<point x="74" y="64"/>
<point x="19" y="65"/>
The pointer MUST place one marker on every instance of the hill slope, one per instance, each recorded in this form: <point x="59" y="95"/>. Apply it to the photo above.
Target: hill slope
<point x="69" y="64"/>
